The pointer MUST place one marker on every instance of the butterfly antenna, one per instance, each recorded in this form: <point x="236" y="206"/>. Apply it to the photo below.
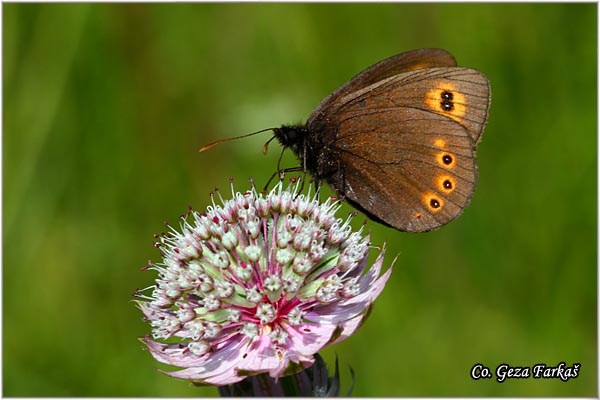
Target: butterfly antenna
<point x="213" y="144"/>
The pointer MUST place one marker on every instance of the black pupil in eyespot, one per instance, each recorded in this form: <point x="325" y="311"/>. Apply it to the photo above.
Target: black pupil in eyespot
<point x="447" y="184"/>
<point x="447" y="159"/>
<point x="447" y="105"/>
<point x="447" y="95"/>
<point x="434" y="203"/>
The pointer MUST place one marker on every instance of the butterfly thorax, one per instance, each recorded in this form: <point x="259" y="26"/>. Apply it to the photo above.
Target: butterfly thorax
<point x="314" y="156"/>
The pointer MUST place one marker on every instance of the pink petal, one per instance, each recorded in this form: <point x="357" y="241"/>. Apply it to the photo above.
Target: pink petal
<point x="349" y="327"/>
<point x="349" y="308"/>
<point x="173" y="354"/>
<point x="371" y="275"/>
<point x="309" y="342"/>
<point x="261" y="356"/>
<point x="220" y="367"/>
<point x="149" y="311"/>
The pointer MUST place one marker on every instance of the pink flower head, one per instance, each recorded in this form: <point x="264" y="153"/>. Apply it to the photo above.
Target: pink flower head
<point x="258" y="284"/>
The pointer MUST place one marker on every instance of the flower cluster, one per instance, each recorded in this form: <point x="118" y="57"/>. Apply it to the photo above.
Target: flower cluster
<point x="258" y="284"/>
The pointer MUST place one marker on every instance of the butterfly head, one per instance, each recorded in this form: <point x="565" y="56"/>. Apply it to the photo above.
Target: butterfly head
<point x="292" y="136"/>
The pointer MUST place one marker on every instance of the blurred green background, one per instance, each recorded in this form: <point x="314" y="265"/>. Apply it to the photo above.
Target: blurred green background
<point x="106" y="105"/>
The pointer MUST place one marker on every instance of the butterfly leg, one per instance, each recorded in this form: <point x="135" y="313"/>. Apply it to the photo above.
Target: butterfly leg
<point x="302" y="178"/>
<point x="340" y="191"/>
<point x="281" y="173"/>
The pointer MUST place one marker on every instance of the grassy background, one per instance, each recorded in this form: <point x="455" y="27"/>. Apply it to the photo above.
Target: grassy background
<point x="105" y="106"/>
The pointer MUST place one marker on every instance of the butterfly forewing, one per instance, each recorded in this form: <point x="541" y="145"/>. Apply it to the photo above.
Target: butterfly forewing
<point x="409" y="61"/>
<point x="461" y="94"/>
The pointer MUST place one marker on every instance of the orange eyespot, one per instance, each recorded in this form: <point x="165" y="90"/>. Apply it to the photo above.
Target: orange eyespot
<point x="444" y="99"/>
<point x="446" y="160"/>
<point x="446" y="183"/>
<point x="433" y="202"/>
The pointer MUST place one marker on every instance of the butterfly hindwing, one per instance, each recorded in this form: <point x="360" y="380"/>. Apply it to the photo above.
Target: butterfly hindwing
<point x="400" y="168"/>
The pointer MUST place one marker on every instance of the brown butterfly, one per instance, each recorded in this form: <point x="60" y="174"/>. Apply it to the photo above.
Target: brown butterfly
<point x="398" y="140"/>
